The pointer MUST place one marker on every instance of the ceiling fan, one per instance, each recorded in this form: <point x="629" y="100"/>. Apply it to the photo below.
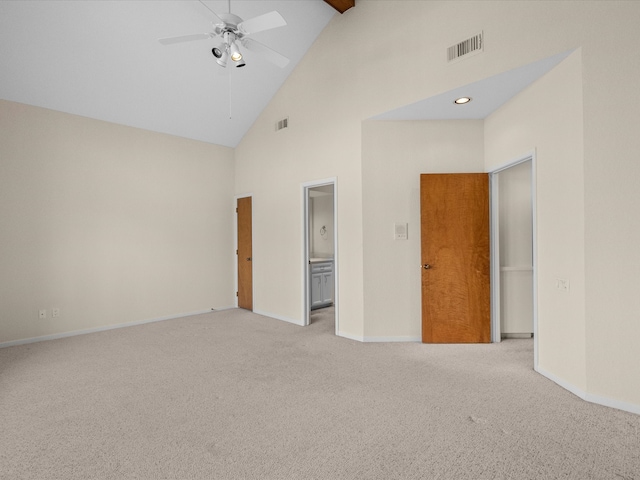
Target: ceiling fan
<point x="231" y="29"/>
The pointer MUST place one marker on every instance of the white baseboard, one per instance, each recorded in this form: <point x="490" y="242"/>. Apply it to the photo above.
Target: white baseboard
<point x="392" y="339"/>
<point x="357" y="338"/>
<point x="73" y="333"/>
<point x="219" y="309"/>
<point x="590" y="397"/>
<point x="609" y="402"/>
<point x="279" y="317"/>
<point x="363" y="339"/>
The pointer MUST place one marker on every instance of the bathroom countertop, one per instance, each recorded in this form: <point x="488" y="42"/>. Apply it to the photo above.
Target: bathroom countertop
<point x="320" y="259"/>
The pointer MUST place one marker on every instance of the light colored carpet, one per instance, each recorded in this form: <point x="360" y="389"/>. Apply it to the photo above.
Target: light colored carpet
<point x="233" y="395"/>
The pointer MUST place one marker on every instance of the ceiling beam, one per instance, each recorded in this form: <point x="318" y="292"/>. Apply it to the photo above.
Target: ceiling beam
<point x="341" y="5"/>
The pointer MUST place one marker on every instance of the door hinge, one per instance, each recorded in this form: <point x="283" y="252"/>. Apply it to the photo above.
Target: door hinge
<point x="236" y="252"/>
<point x="236" y="294"/>
<point x="236" y="210"/>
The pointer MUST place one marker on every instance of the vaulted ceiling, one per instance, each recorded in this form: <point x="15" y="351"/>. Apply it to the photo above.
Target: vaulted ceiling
<point x="102" y="59"/>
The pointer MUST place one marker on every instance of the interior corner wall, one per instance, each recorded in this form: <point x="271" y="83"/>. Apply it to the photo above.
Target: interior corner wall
<point x="548" y="118"/>
<point x="109" y="224"/>
<point x="330" y="96"/>
<point x="612" y="203"/>
<point x="321" y="142"/>
<point x="394" y="154"/>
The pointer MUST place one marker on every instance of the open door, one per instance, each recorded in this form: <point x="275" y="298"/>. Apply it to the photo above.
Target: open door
<point x="245" y="269"/>
<point x="455" y="248"/>
<point x="320" y="251"/>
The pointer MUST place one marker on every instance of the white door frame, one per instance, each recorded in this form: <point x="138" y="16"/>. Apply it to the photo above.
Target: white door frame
<point x="306" y="271"/>
<point x="495" y="249"/>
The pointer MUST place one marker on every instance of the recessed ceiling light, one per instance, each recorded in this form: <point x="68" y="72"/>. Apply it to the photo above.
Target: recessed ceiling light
<point x="462" y="100"/>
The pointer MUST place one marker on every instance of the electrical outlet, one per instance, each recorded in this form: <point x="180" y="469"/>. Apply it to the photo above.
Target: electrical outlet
<point x="55" y="312"/>
<point x="562" y="284"/>
<point x="42" y="313"/>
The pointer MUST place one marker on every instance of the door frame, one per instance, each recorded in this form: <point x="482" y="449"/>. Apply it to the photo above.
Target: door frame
<point x="235" y="243"/>
<point x="495" y="248"/>
<point x="306" y="271"/>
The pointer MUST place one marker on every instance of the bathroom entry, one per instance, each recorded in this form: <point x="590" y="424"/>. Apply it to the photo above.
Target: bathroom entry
<point x="320" y="254"/>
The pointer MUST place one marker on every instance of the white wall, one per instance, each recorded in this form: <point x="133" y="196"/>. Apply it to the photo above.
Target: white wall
<point x="113" y="224"/>
<point x="321" y="216"/>
<point x="583" y="132"/>
<point x="612" y="203"/>
<point x="516" y="254"/>
<point x="548" y="117"/>
<point x="322" y="141"/>
<point x="110" y="224"/>
<point x="394" y="154"/>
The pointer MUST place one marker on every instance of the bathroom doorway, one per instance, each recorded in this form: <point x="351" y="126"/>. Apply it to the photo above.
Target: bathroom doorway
<point x="320" y="262"/>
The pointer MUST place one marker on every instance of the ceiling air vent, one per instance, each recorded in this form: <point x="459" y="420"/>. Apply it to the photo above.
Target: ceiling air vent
<point x="281" y="124"/>
<point x="467" y="48"/>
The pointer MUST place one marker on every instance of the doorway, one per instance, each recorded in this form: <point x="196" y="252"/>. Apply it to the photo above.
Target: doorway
<point x="513" y="251"/>
<point x="320" y="253"/>
<point x="244" y="253"/>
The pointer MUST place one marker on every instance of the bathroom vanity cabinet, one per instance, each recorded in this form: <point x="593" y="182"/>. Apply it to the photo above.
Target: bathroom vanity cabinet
<point x="321" y="283"/>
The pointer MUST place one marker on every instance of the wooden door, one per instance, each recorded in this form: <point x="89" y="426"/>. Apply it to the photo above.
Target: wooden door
<point x="454" y="210"/>
<point x="245" y="269"/>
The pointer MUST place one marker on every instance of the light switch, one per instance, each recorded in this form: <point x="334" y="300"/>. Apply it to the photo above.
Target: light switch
<point x="400" y="231"/>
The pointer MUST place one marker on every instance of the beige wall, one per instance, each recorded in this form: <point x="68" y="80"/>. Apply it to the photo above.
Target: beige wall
<point x="321" y="215"/>
<point x="394" y="154"/>
<point x="612" y="203"/>
<point x="110" y="224"/>
<point x="547" y="118"/>
<point x="580" y="127"/>
<point x="322" y="141"/>
<point x="91" y="211"/>
<point x="516" y="248"/>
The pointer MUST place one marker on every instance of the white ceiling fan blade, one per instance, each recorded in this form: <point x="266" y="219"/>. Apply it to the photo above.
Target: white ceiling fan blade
<point x="263" y="22"/>
<point x="184" y="38"/>
<point x="206" y="11"/>
<point x="271" y="55"/>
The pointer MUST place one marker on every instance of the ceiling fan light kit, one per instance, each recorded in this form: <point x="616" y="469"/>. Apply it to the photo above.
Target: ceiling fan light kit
<point x="221" y="55"/>
<point x="231" y="28"/>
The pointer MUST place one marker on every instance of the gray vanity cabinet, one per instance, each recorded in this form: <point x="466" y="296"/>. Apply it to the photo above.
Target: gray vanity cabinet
<point x="321" y="284"/>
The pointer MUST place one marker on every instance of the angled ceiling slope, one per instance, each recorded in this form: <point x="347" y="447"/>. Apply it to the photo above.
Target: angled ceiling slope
<point x="488" y="95"/>
<point x="102" y="60"/>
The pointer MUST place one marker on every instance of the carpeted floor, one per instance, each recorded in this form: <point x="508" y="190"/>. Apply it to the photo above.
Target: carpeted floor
<point x="233" y="395"/>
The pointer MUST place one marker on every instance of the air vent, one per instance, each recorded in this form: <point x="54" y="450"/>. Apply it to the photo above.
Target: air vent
<point x="467" y="48"/>
<point x="284" y="123"/>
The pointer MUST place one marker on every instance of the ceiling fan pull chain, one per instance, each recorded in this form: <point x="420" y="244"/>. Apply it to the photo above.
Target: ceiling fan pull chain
<point x="229" y="90"/>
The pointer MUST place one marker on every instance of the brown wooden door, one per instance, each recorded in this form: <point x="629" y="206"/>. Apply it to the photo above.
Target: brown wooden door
<point x="245" y="270"/>
<point x="454" y="210"/>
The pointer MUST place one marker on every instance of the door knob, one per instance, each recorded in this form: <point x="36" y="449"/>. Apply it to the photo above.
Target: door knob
<point x="248" y="259"/>
<point x="426" y="266"/>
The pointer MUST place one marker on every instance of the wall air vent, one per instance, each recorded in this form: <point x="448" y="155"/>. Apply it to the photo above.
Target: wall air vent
<point x="467" y="48"/>
<point x="281" y="124"/>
